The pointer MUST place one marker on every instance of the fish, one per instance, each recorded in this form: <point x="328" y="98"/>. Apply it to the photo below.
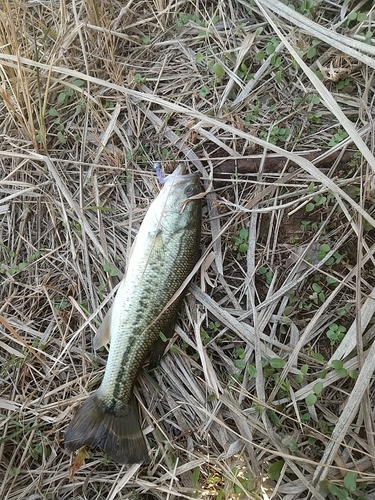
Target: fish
<point x="143" y="313"/>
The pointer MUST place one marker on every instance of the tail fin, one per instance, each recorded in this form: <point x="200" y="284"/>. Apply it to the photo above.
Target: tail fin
<point x="117" y="432"/>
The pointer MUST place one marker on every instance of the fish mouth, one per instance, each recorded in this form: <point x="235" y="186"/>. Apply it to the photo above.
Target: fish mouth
<point x="180" y="171"/>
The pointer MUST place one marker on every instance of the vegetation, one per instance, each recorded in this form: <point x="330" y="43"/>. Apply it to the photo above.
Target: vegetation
<point x="267" y="386"/>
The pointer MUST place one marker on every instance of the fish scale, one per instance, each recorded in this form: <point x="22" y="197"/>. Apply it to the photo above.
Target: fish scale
<point x="164" y="254"/>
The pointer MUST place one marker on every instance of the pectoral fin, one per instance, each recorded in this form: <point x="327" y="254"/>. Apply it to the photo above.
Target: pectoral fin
<point x="103" y="335"/>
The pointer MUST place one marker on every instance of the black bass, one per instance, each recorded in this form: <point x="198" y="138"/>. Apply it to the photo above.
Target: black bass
<point x="163" y="255"/>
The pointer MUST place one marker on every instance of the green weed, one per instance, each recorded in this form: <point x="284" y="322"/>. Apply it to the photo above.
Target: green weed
<point x="339" y="136"/>
<point x="343" y="83"/>
<point x="335" y="333"/>
<point x="276" y="136"/>
<point x="64" y="99"/>
<point x="267" y="273"/>
<point x="356" y="17"/>
<point x="240" y="242"/>
<point x="352" y="489"/>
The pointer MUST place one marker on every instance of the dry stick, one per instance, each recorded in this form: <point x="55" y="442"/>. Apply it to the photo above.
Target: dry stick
<point x="275" y="163"/>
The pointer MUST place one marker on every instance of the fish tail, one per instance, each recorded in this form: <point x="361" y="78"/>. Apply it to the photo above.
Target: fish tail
<point x="116" y="431"/>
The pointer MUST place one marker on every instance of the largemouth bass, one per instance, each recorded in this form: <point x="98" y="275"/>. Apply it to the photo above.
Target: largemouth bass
<point x="163" y="255"/>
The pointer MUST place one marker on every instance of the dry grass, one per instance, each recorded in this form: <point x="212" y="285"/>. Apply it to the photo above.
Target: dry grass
<point x="91" y="94"/>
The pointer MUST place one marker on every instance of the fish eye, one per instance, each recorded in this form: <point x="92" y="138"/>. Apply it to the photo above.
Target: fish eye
<point x="190" y="190"/>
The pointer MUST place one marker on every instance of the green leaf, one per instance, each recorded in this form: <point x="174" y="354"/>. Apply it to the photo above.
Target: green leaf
<point x="293" y="446"/>
<point x="239" y="363"/>
<point x="352" y="16"/>
<point x="361" y="16"/>
<point x="53" y="112"/>
<point x="61" y="98"/>
<point x="61" y="137"/>
<point x="243" y="234"/>
<point x="220" y="495"/>
<point x="317" y="288"/>
<point x="270" y="49"/>
<point x="350" y="480"/>
<point x="338" y="492"/>
<point x="162" y="337"/>
<point x="304" y="369"/>
<point x="343" y="372"/>
<point x="288" y="310"/>
<point x="276" y="61"/>
<point x="317" y="388"/>
<point x="218" y="70"/>
<point x="320" y="200"/>
<point x="274" y="418"/>
<point x="199" y="57"/>
<point x="324" y="248"/>
<point x="195" y="476"/>
<point x="337" y="364"/>
<point x="252" y="371"/>
<point x="318" y="356"/>
<point x="243" y="247"/>
<point x="274" y="470"/>
<point x="329" y="279"/>
<point x="309" y="207"/>
<point x="277" y="363"/>
<point x="78" y="83"/>
<point x="311" y="53"/>
<point x="310" y="400"/>
<point x="204" y="91"/>
<point x="260" y="55"/>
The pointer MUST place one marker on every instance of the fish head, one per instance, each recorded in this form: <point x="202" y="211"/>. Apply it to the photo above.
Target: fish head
<point x="181" y="189"/>
<point x="177" y="206"/>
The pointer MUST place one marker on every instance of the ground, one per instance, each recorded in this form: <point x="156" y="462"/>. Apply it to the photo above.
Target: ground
<point x="265" y="390"/>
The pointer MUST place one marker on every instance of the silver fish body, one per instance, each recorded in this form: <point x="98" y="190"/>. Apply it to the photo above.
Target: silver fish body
<point x="146" y="304"/>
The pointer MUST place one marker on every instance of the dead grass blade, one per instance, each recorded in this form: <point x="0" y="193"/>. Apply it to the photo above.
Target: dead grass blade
<point x="266" y="390"/>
